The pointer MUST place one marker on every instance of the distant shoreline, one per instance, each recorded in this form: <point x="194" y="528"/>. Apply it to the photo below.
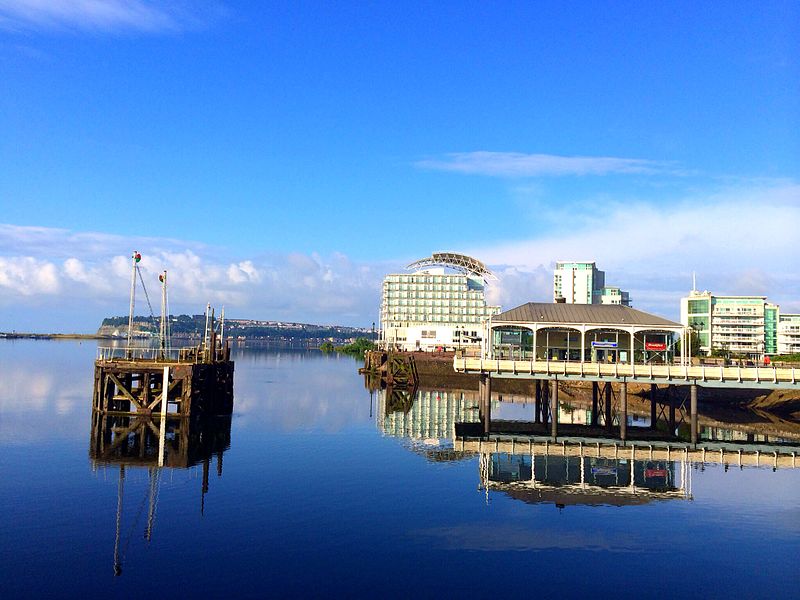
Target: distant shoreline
<point x="53" y="336"/>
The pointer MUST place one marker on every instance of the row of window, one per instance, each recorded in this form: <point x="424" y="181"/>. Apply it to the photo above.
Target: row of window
<point x="444" y="303"/>
<point x="434" y="310"/>
<point x="456" y="295"/>
<point x="397" y="320"/>
<point x="426" y="279"/>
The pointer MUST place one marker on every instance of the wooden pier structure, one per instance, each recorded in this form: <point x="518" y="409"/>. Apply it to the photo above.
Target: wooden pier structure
<point x="161" y="380"/>
<point x="669" y="401"/>
<point x="394" y="369"/>
<point x="187" y="382"/>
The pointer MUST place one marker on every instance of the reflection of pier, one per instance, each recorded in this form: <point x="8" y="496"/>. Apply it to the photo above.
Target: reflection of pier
<point x="143" y="441"/>
<point x="134" y="441"/>
<point x="603" y="471"/>
<point x="727" y="454"/>
<point x="673" y="410"/>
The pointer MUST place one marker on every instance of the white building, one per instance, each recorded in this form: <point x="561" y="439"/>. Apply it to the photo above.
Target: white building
<point x="788" y="334"/>
<point x="743" y="325"/>
<point x="441" y="304"/>
<point x="583" y="283"/>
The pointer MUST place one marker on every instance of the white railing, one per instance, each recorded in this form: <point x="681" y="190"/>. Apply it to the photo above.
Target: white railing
<point x="739" y="375"/>
<point x="173" y="354"/>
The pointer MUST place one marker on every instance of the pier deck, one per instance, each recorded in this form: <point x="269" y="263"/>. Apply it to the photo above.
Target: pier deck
<point x="707" y="376"/>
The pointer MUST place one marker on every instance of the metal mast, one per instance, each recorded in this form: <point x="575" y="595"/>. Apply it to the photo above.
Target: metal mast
<point x="164" y="330"/>
<point x="135" y="258"/>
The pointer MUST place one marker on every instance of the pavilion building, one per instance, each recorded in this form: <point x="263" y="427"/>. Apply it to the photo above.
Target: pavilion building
<point x="582" y="333"/>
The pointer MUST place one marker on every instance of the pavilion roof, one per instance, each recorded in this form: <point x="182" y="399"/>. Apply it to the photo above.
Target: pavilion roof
<point x="588" y="314"/>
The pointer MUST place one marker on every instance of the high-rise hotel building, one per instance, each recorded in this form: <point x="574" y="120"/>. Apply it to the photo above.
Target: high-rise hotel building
<point x="441" y="304"/>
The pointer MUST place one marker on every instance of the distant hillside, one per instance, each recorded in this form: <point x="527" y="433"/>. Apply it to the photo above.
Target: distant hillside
<point x="191" y="326"/>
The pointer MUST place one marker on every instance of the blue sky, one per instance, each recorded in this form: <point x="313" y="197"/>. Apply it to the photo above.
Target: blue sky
<point x="281" y="157"/>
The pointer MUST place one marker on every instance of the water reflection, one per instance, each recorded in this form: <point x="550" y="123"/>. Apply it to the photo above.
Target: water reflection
<point x="572" y="480"/>
<point x="589" y="467"/>
<point x="138" y="442"/>
<point x="145" y="440"/>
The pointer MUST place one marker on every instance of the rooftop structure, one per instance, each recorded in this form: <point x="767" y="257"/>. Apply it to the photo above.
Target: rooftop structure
<point x="458" y="262"/>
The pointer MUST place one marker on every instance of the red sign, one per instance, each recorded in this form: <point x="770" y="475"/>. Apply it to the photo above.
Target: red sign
<point x="658" y="346"/>
<point x="650" y="473"/>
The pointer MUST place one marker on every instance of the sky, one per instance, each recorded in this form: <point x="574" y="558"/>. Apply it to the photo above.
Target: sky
<point x="280" y="158"/>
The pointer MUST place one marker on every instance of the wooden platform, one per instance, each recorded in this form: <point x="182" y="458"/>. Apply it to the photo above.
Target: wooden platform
<point x="133" y="382"/>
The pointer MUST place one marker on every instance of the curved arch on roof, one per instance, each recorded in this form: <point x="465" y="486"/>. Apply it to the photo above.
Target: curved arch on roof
<point x="460" y="262"/>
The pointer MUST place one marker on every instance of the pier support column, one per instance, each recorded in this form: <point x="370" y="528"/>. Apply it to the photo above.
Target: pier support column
<point x="653" y="418"/>
<point x="554" y="410"/>
<point x="693" y="411"/>
<point x="623" y="412"/>
<point x="595" y="395"/>
<point x="485" y="393"/>
<point x="671" y="400"/>
<point x="609" y="416"/>
<point x="537" y="406"/>
<point x="545" y="404"/>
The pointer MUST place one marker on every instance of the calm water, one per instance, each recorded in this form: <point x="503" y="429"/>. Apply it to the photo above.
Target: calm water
<point x="314" y="488"/>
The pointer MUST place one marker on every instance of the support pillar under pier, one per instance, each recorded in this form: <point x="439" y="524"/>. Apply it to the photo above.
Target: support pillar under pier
<point x="545" y="404"/>
<point x="486" y="402"/>
<point x="538" y="403"/>
<point x="595" y="394"/>
<point x="693" y="410"/>
<point x="623" y="412"/>
<point x="609" y="419"/>
<point x="554" y="410"/>
<point x="653" y="418"/>
<point x="671" y="400"/>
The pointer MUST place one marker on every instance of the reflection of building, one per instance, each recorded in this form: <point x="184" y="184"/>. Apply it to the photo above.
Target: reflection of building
<point x="584" y="283"/>
<point x="431" y="308"/>
<point x="432" y="415"/>
<point x="593" y="480"/>
<point x="736" y="324"/>
<point x="788" y="334"/>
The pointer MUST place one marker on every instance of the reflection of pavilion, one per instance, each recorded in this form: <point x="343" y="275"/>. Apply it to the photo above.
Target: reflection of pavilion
<point x="592" y="480"/>
<point x="135" y="441"/>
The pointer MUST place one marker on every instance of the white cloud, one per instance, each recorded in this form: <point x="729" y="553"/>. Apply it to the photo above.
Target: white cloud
<point x="102" y="15"/>
<point x="27" y="276"/>
<point x="739" y="241"/>
<point x="516" y="164"/>
<point x="89" y="274"/>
